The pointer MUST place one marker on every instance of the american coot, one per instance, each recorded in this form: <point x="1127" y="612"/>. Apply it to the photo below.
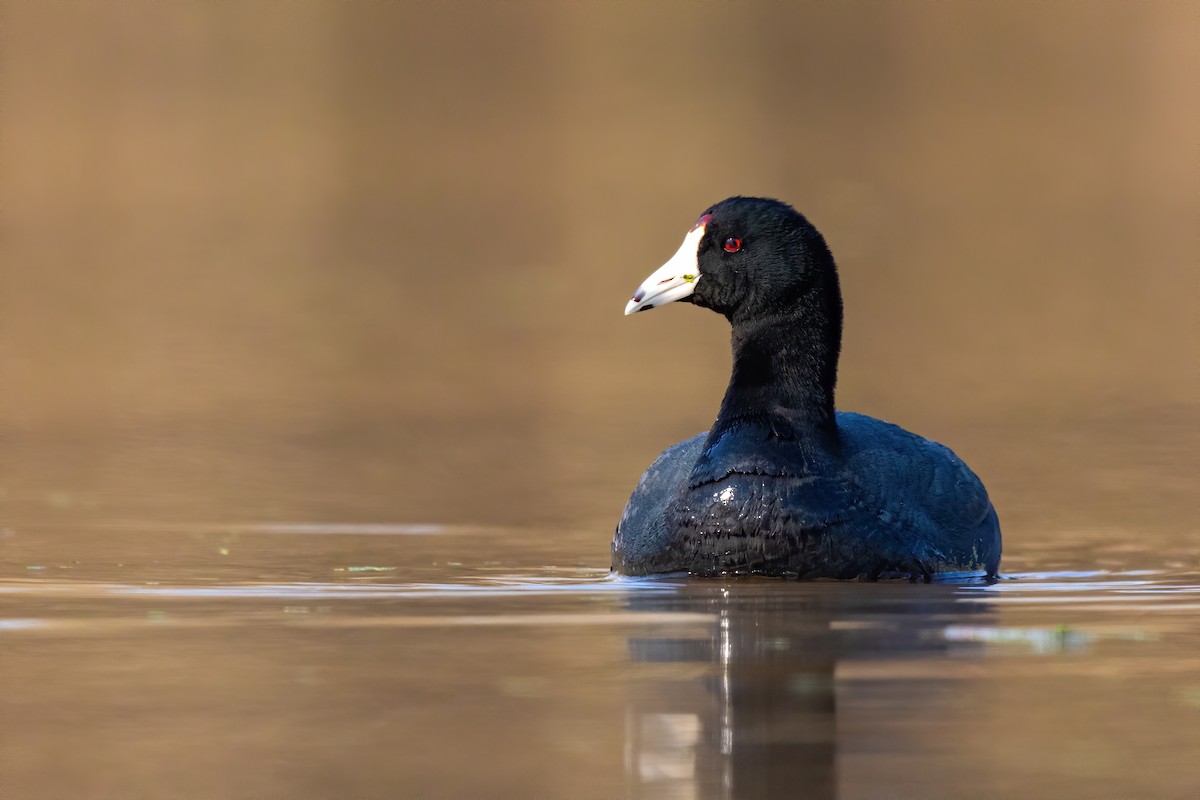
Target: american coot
<point x="782" y="484"/>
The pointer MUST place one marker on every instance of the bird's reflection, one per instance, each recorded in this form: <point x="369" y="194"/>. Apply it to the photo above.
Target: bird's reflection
<point x="748" y="705"/>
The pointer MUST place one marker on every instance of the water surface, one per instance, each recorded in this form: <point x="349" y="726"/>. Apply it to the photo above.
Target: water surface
<point x="148" y="659"/>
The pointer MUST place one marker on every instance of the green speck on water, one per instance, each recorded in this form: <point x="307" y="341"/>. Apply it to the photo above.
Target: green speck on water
<point x="522" y="686"/>
<point x="804" y="684"/>
<point x="60" y="499"/>
<point x="156" y="616"/>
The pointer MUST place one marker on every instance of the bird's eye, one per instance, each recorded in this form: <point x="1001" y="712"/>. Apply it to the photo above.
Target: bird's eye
<point x="733" y="244"/>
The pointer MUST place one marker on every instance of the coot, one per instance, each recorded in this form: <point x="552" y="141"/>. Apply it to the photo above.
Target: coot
<point x="783" y="484"/>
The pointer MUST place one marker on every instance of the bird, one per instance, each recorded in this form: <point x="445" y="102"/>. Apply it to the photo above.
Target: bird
<point x="783" y="484"/>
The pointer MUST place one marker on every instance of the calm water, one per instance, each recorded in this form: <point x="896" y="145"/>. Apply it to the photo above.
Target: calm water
<point x="300" y="660"/>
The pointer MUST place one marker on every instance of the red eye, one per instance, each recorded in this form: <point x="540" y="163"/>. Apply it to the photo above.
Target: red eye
<point x="733" y="244"/>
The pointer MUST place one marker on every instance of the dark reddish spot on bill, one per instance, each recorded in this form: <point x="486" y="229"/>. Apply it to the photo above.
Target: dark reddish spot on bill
<point x="700" y="223"/>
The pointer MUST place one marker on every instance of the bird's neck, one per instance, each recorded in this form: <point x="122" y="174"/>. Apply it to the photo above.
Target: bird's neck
<point x="784" y="373"/>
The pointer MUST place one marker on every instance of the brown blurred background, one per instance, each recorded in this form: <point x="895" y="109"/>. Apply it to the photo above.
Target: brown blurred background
<point x="367" y="261"/>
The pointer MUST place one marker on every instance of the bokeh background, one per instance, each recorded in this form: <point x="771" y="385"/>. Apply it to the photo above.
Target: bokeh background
<point x="361" y="261"/>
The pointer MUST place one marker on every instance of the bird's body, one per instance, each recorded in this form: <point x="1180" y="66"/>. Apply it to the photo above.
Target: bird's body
<point x="883" y="503"/>
<point x="782" y="484"/>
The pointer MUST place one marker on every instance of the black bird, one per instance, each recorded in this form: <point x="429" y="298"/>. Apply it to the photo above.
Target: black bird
<point x="783" y="484"/>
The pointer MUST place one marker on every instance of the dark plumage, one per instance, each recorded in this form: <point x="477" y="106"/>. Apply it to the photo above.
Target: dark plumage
<point x="782" y="484"/>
